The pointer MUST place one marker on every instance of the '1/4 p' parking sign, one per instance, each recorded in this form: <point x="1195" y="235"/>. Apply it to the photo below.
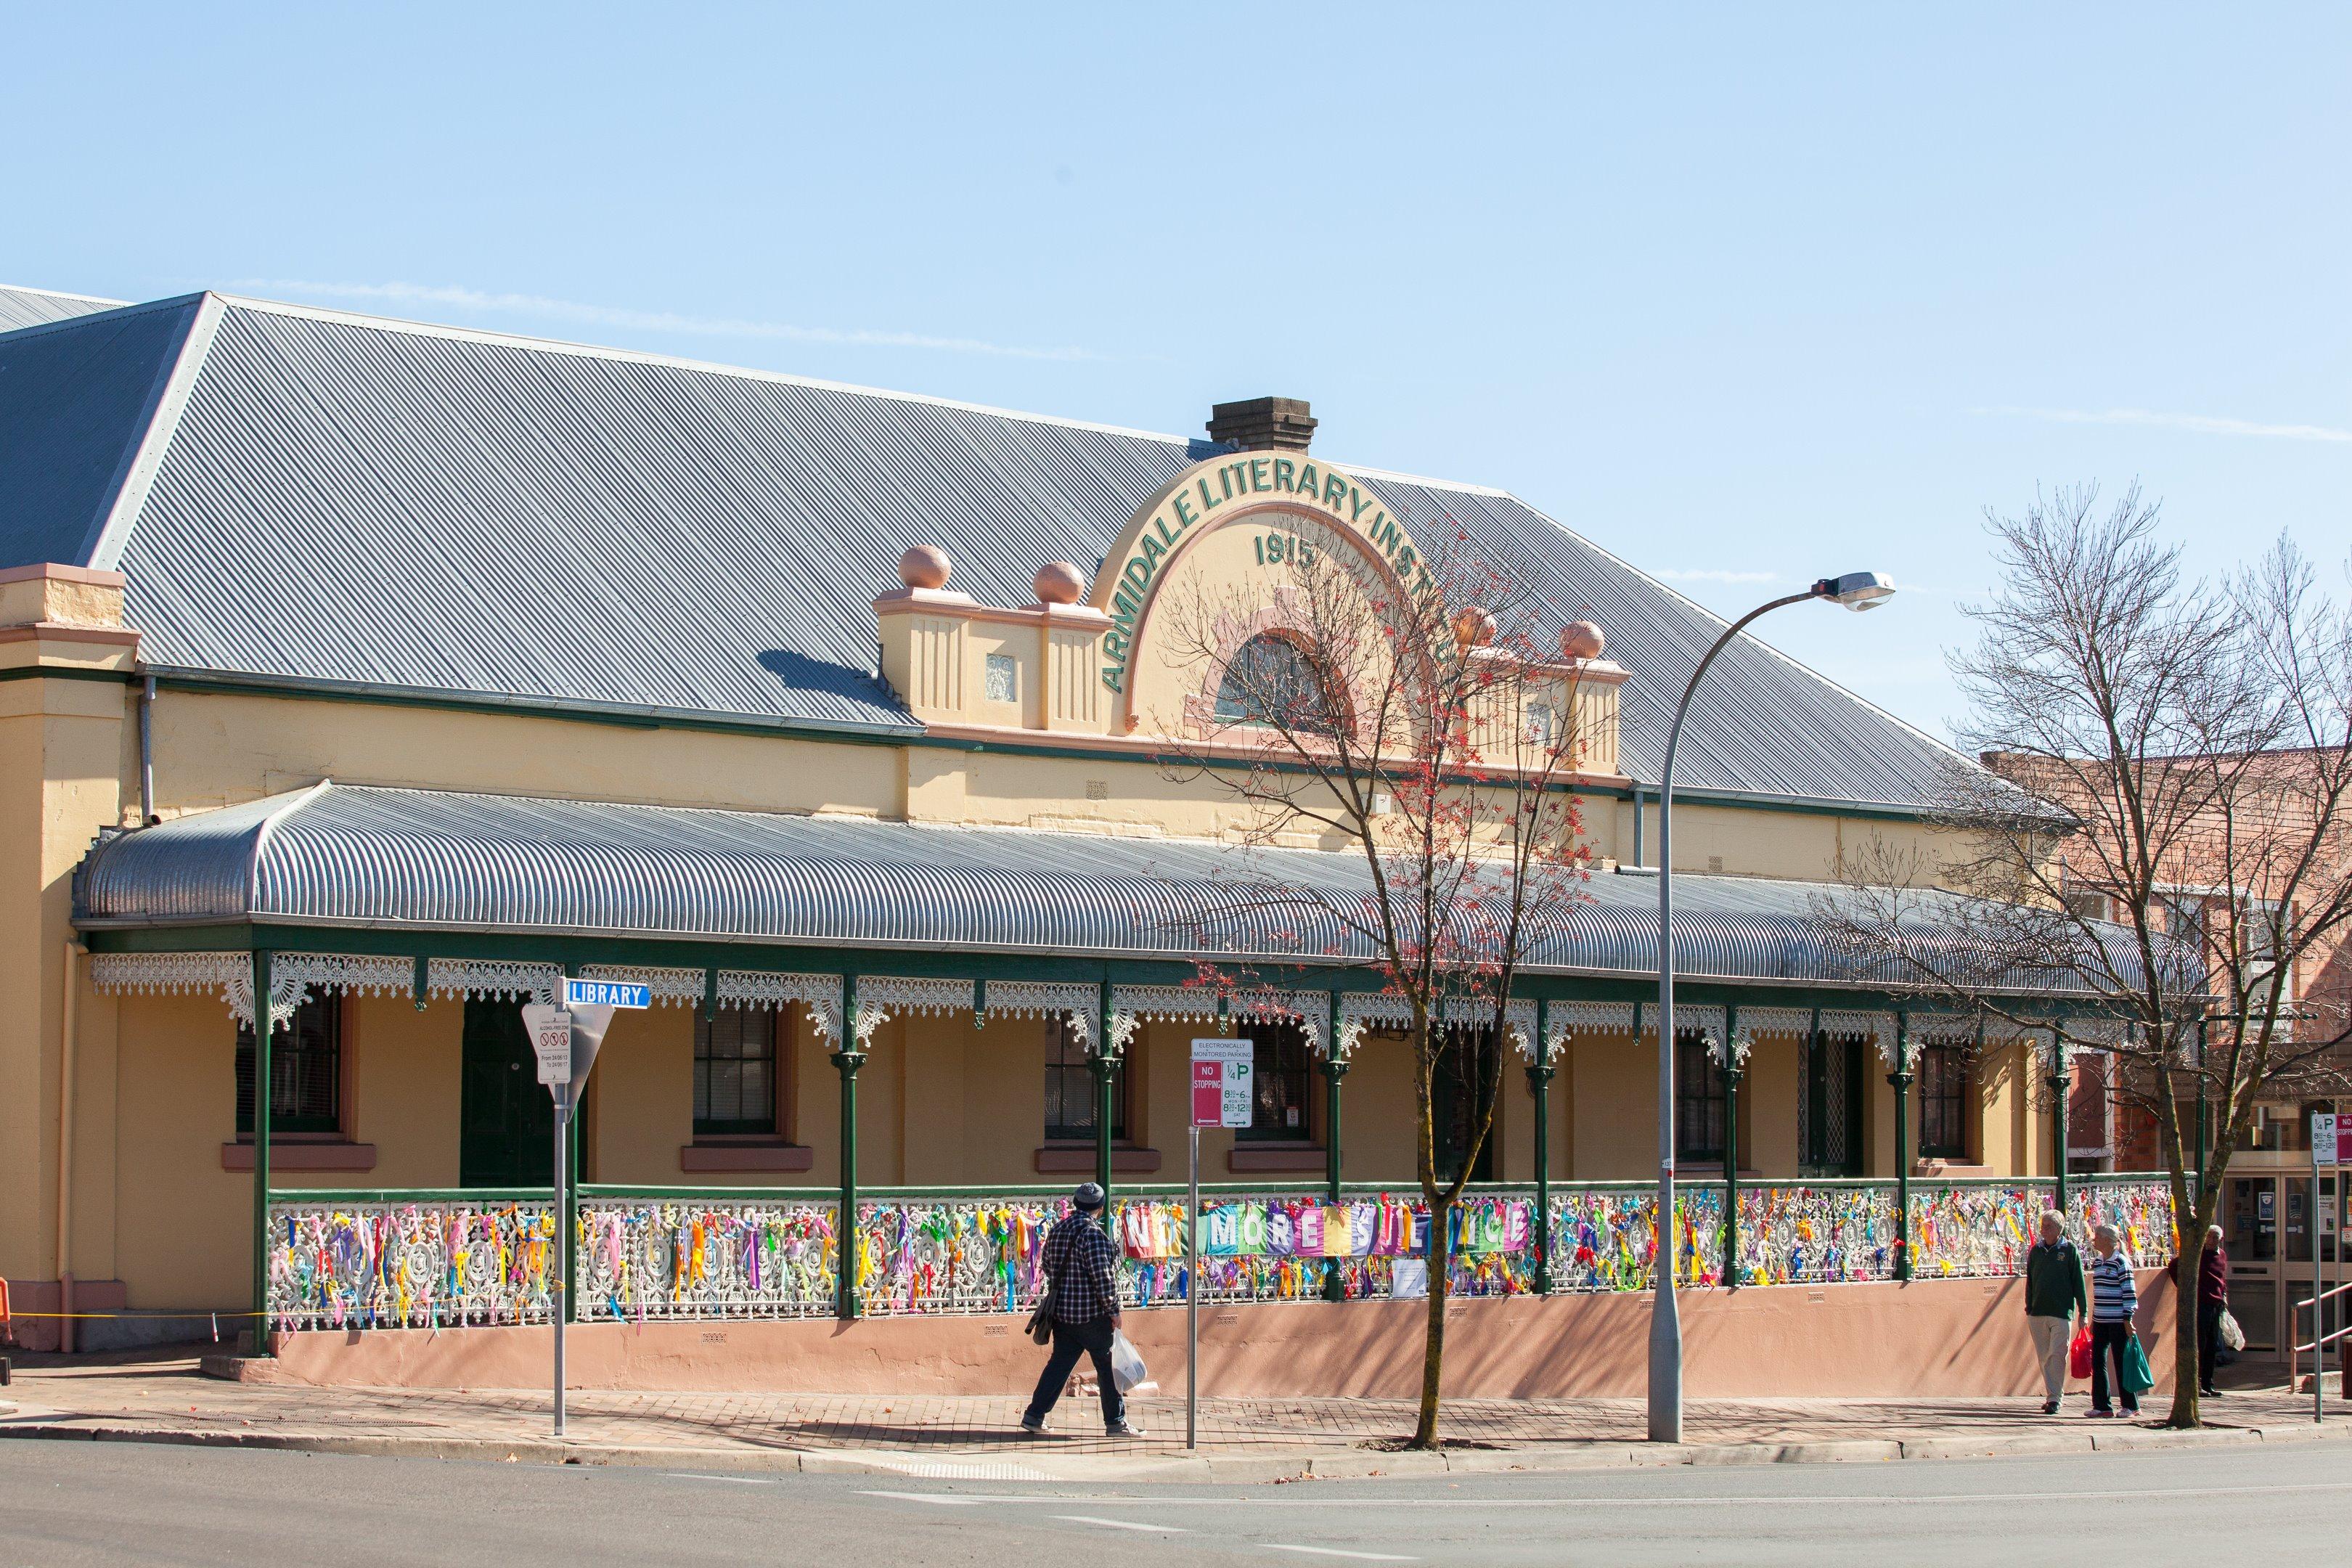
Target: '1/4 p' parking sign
<point x="1222" y="1090"/>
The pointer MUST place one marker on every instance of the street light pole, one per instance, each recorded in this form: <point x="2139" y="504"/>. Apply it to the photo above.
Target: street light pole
<point x="1855" y="591"/>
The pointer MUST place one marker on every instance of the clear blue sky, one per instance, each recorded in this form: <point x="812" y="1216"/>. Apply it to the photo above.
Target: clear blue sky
<point x="1749" y="292"/>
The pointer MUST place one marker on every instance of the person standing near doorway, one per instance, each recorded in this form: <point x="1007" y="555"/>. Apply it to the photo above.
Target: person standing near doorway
<point x="2114" y="1297"/>
<point x="2053" y="1299"/>
<point x="2212" y="1300"/>
<point x="1081" y="1269"/>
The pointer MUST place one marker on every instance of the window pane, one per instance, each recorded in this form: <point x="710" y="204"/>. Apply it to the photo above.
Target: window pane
<point x="1282" y="1068"/>
<point x="1070" y="1087"/>
<point x="1698" y="1100"/>
<point x="735" y="1072"/>
<point x="305" y="1069"/>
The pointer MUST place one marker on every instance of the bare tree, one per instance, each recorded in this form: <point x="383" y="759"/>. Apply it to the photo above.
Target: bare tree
<point x="1413" y="722"/>
<point x="2159" y="834"/>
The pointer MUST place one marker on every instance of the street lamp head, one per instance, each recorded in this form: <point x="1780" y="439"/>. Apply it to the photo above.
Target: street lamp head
<point x="1856" y="590"/>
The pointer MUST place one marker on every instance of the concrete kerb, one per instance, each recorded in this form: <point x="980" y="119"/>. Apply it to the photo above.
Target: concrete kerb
<point x="1322" y="1464"/>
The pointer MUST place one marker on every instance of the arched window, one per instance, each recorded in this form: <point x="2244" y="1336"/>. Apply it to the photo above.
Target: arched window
<point x="1269" y="680"/>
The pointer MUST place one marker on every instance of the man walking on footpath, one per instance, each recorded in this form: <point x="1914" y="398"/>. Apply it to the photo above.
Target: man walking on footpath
<point x="2053" y="1298"/>
<point x="1081" y="1268"/>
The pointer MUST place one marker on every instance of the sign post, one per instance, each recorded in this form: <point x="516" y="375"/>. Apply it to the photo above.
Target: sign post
<point x="1222" y="1096"/>
<point x="2324" y="1150"/>
<point x="565" y="1039"/>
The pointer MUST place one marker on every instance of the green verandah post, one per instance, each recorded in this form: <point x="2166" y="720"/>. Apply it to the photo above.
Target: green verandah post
<point x="2058" y="1087"/>
<point x="1901" y="1079"/>
<point x="1335" y="1067"/>
<point x="1105" y="1062"/>
<point x="568" y="1216"/>
<point x="1733" y="1069"/>
<point x="847" y="1061"/>
<point x="1539" y="1076"/>
<point x="261" y="1097"/>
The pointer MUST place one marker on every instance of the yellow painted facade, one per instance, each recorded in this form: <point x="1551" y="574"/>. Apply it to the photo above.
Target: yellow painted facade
<point x="143" y="1090"/>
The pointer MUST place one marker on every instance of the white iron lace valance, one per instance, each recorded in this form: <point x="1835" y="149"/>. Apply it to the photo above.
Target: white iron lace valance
<point x="1044" y="999"/>
<point x="881" y="998"/>
<point x="670" y="988"/>
<point x="493" y="977"/>
<point x="229" y="976"/>
<point x="1310" y="1010"/>
<point x="1563" y="1021"/>
<point x="820" y="994"/>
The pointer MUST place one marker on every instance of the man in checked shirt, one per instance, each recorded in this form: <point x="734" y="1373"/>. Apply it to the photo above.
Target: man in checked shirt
<point x="1082" y="1283"/>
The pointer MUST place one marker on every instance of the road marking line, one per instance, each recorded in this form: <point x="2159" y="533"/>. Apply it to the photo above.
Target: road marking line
<point x="1334" y="1551"/>
<point x="739" y="1480"/>
<point x="940" y="1500"/>
<point x="1121" y="1524"/>
<point x="1798" y="1500"/>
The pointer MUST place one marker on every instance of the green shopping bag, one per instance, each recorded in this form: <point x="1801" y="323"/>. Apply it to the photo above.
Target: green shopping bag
<point x="2137" y="1378"/>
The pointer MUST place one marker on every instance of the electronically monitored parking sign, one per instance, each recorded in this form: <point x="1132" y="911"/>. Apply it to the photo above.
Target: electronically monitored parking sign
<point x="1221" y="1088"/>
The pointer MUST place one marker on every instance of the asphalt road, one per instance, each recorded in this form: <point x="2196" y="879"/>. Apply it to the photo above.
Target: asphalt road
<point x="74" y="1503"/>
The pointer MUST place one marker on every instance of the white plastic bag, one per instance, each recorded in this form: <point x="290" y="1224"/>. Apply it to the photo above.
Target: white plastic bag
<point x="2232" y="1337"/>
<point x="1127" y="1367"/>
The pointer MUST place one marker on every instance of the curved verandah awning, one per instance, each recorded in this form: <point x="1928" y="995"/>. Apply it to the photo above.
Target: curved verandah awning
<point x="402" y="863"/>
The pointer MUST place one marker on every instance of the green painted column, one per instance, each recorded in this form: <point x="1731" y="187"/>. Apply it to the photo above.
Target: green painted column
<point x="568" y="1221"/>
<point x="1901" y="1079"/>
<point x="261" y="1108"/>
<point x="1539" y="1076"/>
<point x="1105" y="1066"/>
<point x="2058" y="1087"/>
<point x="1334" y="1069"/>
<point x="2202" y="1134"/>
<point x="1734" y="1069"/>
<point x="847" y="1061"/>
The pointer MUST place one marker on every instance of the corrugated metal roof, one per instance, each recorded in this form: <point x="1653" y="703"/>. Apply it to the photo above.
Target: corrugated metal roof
<point x="22" y="307"/>
<point x="75" y="396"/>
<point x="365" y="503"/>
<point x="348" y="855"/>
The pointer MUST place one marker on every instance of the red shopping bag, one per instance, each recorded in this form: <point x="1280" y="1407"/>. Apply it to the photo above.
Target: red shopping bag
<point x="2078" y="1354"/>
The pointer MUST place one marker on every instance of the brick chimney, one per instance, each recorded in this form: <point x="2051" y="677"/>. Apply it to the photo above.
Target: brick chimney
<point x="1262" y="424"/>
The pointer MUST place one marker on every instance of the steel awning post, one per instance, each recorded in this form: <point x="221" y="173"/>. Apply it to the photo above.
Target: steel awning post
<point x="850" y="1248"/>
<point x="1539" y="1076"/>
<point x="1335" y="1067"/>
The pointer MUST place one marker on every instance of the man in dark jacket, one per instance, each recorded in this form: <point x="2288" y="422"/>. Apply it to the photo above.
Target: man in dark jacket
<point x="2212" y="1300"/>
<point x="1081" y="1268"/>
<point x="2053" y="1298"/>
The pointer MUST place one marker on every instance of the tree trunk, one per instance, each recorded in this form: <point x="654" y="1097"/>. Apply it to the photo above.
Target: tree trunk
<point x="1424" y="1432"/>
<point x="2184" y="1339"/>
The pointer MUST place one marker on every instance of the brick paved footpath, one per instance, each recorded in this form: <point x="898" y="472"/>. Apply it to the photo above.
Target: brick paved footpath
<point x="165" y="1396"/>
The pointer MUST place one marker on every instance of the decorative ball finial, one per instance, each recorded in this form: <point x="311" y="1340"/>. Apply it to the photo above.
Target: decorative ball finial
<point x="1580" y="640"/>
<point x="1058" y="583"/>
<point x="1474" y="627"/>
<point x="925" y="566"/>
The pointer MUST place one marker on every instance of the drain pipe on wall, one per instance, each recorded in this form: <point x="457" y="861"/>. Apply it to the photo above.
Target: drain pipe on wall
<point x="147" y="753"/>
<point x="65" y="1149"/>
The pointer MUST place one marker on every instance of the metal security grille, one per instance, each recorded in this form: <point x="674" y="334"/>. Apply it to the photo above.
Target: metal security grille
<point x="735" y="1072"/>
<point x="1698" y="1099"/>
<point x="1829" y="1130"/>
<point x="305" y="1070"/>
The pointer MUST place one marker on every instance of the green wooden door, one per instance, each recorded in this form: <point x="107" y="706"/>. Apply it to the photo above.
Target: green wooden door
<point x="506" y="1121"/>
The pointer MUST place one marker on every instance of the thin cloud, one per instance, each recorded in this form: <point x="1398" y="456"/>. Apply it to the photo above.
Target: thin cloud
<point x="651" y="320"/>
<point x="1714" y="574"/>
<point x="2203" y="424"/>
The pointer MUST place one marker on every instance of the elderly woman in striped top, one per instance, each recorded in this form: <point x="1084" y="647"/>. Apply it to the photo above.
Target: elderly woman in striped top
<point x="2114" y="1297"/>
